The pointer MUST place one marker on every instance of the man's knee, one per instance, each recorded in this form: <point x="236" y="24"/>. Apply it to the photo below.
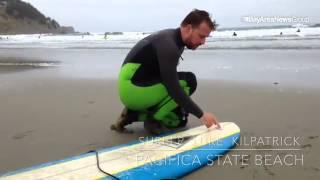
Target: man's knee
<point x="191" y="80"/>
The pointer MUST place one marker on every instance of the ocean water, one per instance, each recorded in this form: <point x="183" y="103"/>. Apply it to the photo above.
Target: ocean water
<point x="307" y="38"/>
<point x="254" y="56"/>
<point x="281" y="68"/>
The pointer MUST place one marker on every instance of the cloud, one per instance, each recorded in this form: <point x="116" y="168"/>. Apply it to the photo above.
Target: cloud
<point x="148" y="15"/>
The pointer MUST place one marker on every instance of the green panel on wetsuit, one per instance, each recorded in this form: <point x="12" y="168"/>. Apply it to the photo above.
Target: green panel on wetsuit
<point x="141" y="98"/>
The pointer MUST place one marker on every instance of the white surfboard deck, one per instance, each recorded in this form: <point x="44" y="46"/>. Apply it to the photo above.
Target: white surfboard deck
<point x="128" y="157"/>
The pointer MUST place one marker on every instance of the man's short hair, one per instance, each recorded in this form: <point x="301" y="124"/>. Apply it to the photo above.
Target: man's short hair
<point x="196" y="17"/>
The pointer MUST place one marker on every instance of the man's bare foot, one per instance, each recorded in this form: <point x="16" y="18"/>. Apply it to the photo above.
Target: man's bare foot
<point x="126" y="118"/>
<point x="120" y="129"/>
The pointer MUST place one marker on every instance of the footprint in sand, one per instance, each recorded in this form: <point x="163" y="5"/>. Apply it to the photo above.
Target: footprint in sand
<point x="314" y="169"/>
<point x="306" y="146"/>
<point x="22" y="135"/>
<point x="91" y="146"/>
<point x="91" y="102"/>
<point x="313" y="137"/>
<point x="245" y="162"/>
<point x="268" y="171"/>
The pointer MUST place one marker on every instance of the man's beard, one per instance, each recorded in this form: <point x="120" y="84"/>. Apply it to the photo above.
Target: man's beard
<point x="191" y="47"/>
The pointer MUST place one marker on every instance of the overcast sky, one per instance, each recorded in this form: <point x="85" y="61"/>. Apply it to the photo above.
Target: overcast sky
<point x="150" y="15"/>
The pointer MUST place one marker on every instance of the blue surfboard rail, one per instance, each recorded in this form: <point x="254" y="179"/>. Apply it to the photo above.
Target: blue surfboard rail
<point x="176" y="167"/>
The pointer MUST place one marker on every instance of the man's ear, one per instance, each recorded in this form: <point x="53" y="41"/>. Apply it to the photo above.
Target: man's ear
<point x="189" y="29"/>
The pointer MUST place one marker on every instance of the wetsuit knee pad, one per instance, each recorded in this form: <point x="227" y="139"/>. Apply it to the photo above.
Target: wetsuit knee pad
<point x="172" y="120"/>
<point x="191" y="80"/>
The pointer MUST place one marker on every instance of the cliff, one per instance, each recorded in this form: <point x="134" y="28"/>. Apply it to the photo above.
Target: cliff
<point x="18" y="17"/>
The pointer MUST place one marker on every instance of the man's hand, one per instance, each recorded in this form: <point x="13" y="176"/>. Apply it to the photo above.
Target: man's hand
<point x="209" y="119"/>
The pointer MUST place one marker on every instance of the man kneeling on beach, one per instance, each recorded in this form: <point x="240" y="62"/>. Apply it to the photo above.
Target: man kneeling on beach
<point x="149" y="85"/>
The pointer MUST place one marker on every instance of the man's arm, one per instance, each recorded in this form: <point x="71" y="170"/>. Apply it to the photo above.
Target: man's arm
<point x="168" y="56"/>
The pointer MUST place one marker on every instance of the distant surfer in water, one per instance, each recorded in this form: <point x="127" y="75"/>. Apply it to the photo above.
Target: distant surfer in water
<point x="234" y="34"/>
<point x="150" y="87"/>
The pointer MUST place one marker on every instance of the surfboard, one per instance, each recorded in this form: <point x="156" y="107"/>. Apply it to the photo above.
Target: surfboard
<point x="169" y="156"/>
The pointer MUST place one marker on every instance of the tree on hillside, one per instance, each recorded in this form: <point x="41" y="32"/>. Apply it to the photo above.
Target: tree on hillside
<point x="23" y="10"/>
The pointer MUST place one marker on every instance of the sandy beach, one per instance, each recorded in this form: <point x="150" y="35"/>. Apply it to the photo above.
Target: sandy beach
<point x="50" y="113"/>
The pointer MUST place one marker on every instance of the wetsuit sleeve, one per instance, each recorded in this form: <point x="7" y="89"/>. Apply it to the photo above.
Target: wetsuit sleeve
<point x="168" y="57"/>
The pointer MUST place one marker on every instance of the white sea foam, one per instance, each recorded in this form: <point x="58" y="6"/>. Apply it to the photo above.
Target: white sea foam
<point x="284" y="38"/>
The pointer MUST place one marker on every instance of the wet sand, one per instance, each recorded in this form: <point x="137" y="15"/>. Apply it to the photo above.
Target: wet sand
<point x="263" y="113"/>
<point x="49" y="118"/>
<point x="52" y="112"/>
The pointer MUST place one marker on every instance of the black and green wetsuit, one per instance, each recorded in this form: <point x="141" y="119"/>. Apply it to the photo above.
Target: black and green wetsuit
<point x="149" y="81"/>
